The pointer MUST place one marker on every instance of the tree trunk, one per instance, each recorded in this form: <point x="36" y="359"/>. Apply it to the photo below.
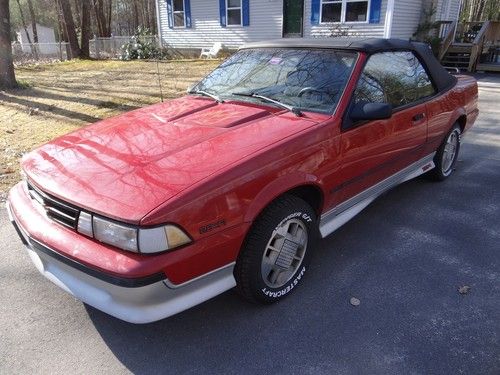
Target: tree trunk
<point x="471" y="11"/>
<point x="136" y="15"/>
<point x="101" y="19"/>
<point x="28" y="37"/>
<point x="110" y="7"/>
<point x="85" y="27"/>
<point x="479" y="14"/>
<point x="33" y="21"/>
<point x="7" y="77"/>
<point x="69" y="28"/>
<point x="77" y="5"/>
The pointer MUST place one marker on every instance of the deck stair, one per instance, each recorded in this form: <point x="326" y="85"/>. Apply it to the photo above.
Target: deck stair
<point x="471" y="46"/>
<point x="458" y="56"/>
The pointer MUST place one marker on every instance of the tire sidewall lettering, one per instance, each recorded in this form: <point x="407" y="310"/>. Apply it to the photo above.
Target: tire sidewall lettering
<point x="300" y="215"/>
<point x="287" y="289"/>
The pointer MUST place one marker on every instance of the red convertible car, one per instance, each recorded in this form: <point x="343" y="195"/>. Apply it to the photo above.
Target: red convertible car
<point x="154" y="211"/>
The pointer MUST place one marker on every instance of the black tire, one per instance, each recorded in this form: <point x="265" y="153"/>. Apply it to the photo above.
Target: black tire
<point x="445" y="167"/>
<point x="287" y="215"/>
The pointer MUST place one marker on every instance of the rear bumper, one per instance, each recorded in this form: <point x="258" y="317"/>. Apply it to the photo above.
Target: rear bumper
<point x="141" y="299"/>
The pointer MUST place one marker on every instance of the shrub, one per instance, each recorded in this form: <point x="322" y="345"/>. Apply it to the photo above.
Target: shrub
<point x="141" y="46"/>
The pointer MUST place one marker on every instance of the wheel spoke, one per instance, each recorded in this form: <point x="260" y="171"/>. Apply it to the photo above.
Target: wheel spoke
<point x="298" y="236"/>
<point x="449" y="152"/>
<point x="282" y="231"/>
<point x="274" y="274"/>
<point x="271" y="254"/>
<point x="284" y="253"/>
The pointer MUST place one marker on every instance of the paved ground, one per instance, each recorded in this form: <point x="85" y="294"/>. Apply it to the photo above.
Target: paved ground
<point x="404" y="257"/>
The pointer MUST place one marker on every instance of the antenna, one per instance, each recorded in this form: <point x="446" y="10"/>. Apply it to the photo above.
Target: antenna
<point x="158" y="69"/>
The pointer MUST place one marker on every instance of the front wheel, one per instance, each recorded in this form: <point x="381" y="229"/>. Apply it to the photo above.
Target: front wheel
<point x="446" y="155"/>
<point x="277" y="250"/>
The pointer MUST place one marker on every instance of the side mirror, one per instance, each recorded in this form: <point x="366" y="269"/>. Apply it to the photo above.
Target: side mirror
<point x="364" y="111"/>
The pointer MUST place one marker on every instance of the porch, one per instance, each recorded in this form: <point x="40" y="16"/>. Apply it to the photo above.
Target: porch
<point x="470" y="46"/>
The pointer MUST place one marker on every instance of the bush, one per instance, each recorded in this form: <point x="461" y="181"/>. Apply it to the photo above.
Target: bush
<point x="428" y="29"/>
<point x="141" y="46"/>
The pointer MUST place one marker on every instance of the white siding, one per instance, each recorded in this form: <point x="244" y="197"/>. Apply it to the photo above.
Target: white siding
<point x="406" y="18"/>
<point x="266" y="17"/>
<point x="408" y="13"/>
<point x="375" y="30"/>
<point x="447" y="10"/>
<point x="265" y="23"/>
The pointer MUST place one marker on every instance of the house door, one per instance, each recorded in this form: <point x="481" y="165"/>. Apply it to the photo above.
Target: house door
<point x="293" y="17"/>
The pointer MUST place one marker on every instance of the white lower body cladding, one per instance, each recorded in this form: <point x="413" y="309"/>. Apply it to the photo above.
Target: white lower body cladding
<point x="143" y="304"/>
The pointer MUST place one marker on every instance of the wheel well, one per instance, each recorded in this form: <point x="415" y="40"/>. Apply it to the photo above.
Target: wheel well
<point x="312" y="195"/>
<point x="462" y="121"/>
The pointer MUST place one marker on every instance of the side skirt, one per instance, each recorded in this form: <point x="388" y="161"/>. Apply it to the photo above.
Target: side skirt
<point x="345" y="211"/>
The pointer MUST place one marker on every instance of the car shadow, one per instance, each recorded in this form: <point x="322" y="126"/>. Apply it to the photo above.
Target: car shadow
<point x="403" y="257"/>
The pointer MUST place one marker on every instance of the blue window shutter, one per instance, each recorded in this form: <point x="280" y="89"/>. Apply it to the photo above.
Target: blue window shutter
<point x="187" y="13"/>
<point x="170" y="14"/>
<point x="245" y="4"/>
<point x="375" y="11"/>
<point x="222" y="12"/>
<point x="315" y="5"/>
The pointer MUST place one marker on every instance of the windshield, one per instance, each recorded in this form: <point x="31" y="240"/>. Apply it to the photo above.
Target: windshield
<point x="305" y="79"/>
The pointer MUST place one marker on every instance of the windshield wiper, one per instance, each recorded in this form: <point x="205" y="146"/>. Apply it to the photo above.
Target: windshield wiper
<point x="206" y="93"/>
<point x="292" y="109"/>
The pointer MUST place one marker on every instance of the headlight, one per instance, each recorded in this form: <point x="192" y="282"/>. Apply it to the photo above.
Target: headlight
<point x="115" y="234"/>
<point x="139" y="240"/>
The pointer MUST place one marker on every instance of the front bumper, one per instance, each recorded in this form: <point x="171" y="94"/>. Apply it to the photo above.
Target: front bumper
<point x="140" y="299"/>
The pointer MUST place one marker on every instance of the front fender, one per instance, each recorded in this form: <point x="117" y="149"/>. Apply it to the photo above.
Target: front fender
<point x="276" y="188"/>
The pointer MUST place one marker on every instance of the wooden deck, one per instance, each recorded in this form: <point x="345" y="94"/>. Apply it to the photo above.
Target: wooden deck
<point x="488" y="67"/>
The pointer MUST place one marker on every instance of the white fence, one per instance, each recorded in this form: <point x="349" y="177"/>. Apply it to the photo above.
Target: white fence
<point x="110" y="48"/>
<point x="99" y="48"/>
<point x="25" y="53"/>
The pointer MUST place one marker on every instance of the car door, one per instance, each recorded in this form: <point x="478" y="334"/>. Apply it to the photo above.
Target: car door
<point x="372" y="151"/>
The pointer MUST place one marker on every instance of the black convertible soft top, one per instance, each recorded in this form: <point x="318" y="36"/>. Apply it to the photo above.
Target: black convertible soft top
<point x="440" y="76"/>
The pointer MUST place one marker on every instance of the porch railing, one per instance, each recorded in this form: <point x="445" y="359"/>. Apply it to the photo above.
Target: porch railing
<point x="447" y="35"/>
<point x="467" y="31"/>
<point x="487" y="37"/>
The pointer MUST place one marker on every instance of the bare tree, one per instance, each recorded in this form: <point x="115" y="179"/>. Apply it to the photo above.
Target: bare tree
<point x="7" y="76"/>
<point x="28" y="37"/>
<point x="33" y="21"/>
<point x="480" y="10"/>
<point x="103" y="17"/>
<point x="85" y="27"/>
<point x="69" y="27"/>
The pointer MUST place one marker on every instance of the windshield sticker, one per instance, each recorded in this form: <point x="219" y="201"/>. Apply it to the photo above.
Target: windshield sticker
<point x="275" y="60"/>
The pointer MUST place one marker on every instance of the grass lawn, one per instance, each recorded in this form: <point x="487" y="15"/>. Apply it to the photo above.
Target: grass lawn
<point x="61" y="97"/>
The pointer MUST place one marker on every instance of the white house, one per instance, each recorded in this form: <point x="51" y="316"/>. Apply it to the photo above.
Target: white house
<point x="200" y="23"/>
<point x="46" y="39"/>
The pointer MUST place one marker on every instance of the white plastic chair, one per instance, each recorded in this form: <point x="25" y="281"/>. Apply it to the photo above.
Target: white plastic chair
<point x="211" y="52"/>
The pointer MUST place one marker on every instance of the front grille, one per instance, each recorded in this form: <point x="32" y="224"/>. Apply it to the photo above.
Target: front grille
<point x="59" y="211"/>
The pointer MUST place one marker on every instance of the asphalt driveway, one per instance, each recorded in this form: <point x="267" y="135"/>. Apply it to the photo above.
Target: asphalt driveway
<point x="404" y="258"/>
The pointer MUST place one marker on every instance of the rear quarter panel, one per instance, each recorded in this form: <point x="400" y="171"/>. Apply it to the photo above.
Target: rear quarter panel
<point x="445" y="110"/>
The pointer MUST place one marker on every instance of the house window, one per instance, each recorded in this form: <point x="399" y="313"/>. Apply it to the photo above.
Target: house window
<point x="344" y="10"/>
<point x="233" y="12"/>
<point x="179" y="14"/>
<point x="331" y="11"/>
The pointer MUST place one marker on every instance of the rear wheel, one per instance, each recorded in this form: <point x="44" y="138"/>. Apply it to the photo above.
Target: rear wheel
<point x="277" y="250"/>
<point x="446" y="155"/>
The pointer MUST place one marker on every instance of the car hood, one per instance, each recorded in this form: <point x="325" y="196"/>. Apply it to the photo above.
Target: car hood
<point x="125" y="166"/>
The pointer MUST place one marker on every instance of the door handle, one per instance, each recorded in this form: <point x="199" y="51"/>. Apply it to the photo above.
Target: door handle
<point x="418" y="117"/>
